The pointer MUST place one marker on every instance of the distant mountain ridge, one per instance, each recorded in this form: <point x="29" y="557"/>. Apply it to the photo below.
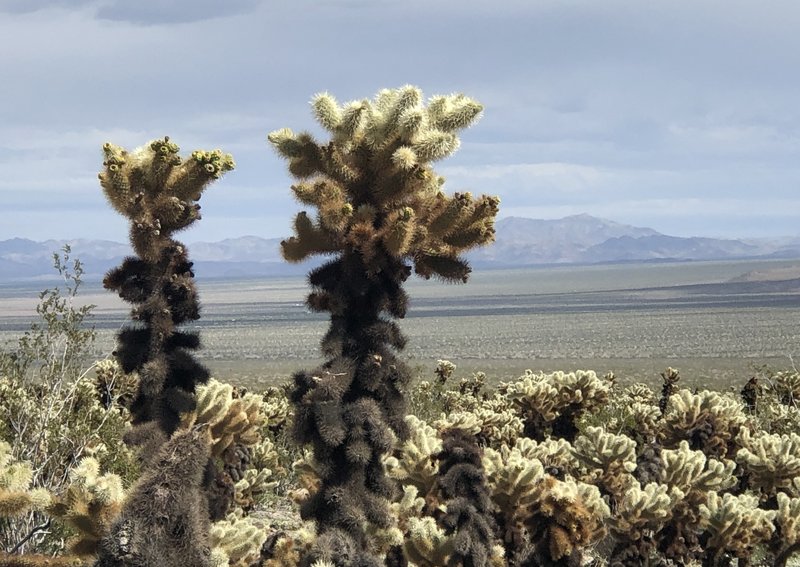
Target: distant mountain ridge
<point x="520" y="242"/>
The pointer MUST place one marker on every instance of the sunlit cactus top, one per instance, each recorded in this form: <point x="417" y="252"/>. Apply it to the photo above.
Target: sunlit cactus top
<point x="374" y="187"/>
<point x="157" y="190"/>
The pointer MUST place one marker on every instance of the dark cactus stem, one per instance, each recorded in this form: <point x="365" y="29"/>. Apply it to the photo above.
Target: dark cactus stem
<point x="463" y="484"/>
<point x="671" y="377"/>
<point x="349" y="408"/>
<point x="164" y="295"/>
<point x="750" y="394"/>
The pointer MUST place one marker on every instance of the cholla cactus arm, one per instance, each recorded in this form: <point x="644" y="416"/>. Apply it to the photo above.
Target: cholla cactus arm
<point x="252" y="486"/>
<point x="89" y="504"/>
<point x="463" y="486"/>
<point x="17" y="498"/>
<point x="233" y="419"/>
<point x="380" y="211"/>
<point x="165" y="519"/>
<point x="414" y="463"/>
<point x="598" y="449"/>
<point x="374" y="186"/>
<point x="426" y="544"/>
<point x="640" y="393"/>
<point x="556" y="455"/>
<point x="239" y="538"/>
<point x="771" y="462"/>
<point x="567" y="518"/>
<point x="513" y="478"/>
<point x="735" y="524"/>
<point x="787" y="534"/>
<point x="786" y="385"/>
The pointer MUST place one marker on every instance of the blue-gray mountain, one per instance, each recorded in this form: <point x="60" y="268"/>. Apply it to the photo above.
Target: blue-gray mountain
<point x="520" y="242"/>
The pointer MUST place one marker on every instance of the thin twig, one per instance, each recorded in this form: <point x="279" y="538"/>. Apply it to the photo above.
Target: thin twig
<point x="32" y="533"/>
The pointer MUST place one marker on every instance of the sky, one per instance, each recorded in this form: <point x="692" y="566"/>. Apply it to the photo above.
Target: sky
<point x="679" y="115"/>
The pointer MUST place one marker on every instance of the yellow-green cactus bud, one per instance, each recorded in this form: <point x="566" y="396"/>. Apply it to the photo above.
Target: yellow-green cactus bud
<point x="286" y="143"/>
<point x="435" y="145"/>
<point x="327" y="111"/>
<point x="404" y="158"/>
<point x="455" y="113"/>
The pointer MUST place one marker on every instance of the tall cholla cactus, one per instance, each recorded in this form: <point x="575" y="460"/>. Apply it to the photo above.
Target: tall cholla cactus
<point x="158" y="192"/>
<point x="381" y="209"/>
<point x="165" y="520"/>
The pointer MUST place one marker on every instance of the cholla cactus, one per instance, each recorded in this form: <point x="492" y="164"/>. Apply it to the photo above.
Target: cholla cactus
<point x="771" y="462"/>
<point x="556" y="455"/>
<point x="543" y="519"/>
<point x="232" y="419"/>
<point x="690" y="470"/>
<point x="89" y="504"/>
<point x="671" y="377"/>
<point x="444" y="370"/>
<point x="381" y="211"/>
<point x="552" y="402"/>
<point x="463" y="486"/>
<point x="639" y="509"/>
<point x="165" y="519"/>
<point x="787" y="534"/>
<point x="252" y="486"/>
<point x="275" y="408"/>
<point x="639" y="514"/>
<point x="568" y="518"/>
<point x="158" y="193"/>
<point x="735" y="524"/>
<point x="490" y="426"/>
<point x="608" y="456"/>
<point x="17" y="498"/>
<point x="709" y="421"/>
<point x="237" y="539"/>
<point x="414" y="461"/>
<point x="639" y="393"/>
<point x="427" y="544"/>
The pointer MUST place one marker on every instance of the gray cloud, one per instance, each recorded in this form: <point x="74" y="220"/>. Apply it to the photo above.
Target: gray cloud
<point x="145" y="13"/>
<point x="615" y="108"/>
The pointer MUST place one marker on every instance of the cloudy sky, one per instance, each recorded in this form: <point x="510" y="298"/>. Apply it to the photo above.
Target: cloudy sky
<point x="680" y="115"/>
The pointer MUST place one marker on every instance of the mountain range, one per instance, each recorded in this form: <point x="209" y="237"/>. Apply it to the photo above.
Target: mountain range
<point x="577" y="239"/>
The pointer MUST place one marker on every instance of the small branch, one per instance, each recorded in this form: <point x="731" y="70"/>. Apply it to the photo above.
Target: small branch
<point x="32" y="533"/>
<point x="785" y="555"/>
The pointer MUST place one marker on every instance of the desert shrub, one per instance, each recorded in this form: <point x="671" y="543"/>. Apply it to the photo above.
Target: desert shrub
<point x="50" y="413"/>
